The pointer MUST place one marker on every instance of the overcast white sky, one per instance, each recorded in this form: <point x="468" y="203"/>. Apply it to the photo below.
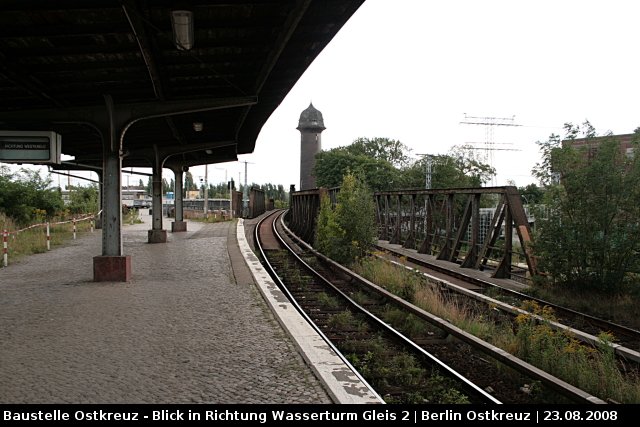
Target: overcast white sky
<point x="410" y="69"/>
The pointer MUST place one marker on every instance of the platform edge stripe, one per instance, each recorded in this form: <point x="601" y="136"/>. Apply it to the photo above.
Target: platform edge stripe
<point x="339" y="381"/>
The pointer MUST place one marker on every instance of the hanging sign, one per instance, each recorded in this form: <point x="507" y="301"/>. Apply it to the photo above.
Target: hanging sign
<point x="37" y="147"/>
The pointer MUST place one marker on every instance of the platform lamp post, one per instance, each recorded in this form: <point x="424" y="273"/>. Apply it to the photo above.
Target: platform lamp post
<point x="230" y="199"/>
<point x="245" y="192"/>
<point x="206" y="191"/>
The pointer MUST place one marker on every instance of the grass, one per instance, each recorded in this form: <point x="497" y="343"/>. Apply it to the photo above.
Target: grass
<point x="211" y="218"/>
<point x="561" y="352"/>
<point x="592" y="369"/>
<point x="327" y="301"/>
<point x="131" y="217"/>
<point x="399" y="376"/>
<point x="408" y="323"/>
<point x="346" y="321"/>
<point x="619" y="308"/>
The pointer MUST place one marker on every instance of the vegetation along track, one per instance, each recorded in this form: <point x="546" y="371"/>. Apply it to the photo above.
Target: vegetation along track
<point x="587" y="328"/>
<point x="404" y="369"/>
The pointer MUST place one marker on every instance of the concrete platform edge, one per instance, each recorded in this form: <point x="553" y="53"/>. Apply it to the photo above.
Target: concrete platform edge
<point x="341" y="383"/>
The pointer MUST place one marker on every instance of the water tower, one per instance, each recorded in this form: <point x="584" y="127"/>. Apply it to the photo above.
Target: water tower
<point x="310" y="126"/>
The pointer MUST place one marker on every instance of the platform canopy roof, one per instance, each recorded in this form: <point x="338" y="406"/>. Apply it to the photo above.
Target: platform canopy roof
<point x="62" y="60"/>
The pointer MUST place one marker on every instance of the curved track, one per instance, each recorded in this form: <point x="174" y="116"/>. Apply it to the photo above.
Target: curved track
<point x="380" y="296"/>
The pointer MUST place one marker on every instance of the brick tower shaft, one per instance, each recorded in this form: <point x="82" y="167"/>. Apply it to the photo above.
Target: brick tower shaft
<point x="310" y="126"/>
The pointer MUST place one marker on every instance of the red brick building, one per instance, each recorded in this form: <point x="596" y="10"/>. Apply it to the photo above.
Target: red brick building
<point x="591" y="144"/>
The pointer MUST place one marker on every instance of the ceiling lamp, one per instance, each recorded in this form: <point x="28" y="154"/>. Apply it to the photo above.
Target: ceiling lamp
<point x="182" y="23"/>
<point x="197" y="126"/>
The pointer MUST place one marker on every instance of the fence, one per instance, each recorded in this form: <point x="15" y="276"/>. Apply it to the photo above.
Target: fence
<point x="6" y="234"/>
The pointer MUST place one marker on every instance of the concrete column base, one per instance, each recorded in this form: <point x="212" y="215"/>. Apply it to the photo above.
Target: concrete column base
<point x="112" y="268"/>
<point x="157" y="236"/>
<point x="177" y="226"/>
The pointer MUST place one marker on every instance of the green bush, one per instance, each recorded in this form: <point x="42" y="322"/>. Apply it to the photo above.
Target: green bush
<point x="26" y="195"/>
<point x="83" y="200"/>
<point x="348" y="231"/>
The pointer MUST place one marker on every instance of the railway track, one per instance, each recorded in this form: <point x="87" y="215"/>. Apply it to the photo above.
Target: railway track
<point x="583" y="326"/>
<point x="365" y="322"/>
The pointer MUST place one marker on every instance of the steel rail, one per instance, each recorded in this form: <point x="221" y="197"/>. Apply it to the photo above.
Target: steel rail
<point x="399" y="336"/>
<point x="272" y="272"/>
<point x="499" y="354"/>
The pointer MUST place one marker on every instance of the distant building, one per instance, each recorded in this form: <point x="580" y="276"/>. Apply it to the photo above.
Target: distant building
<point x="135" y="197"/>
<point x="590" y="145"/>
<point x="131" y="196"/>
<point x="192" y="194"/>
<point x="310" y="126"/>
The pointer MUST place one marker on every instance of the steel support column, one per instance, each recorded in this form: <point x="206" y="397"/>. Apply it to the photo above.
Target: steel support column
<point x="157" y="234"/>
<point x="111" y="205"/>
<point x="504" y="268"/>
<point x="179" y="224"/>
<point x="112" y="266"/>
<point x="521" y="223"/>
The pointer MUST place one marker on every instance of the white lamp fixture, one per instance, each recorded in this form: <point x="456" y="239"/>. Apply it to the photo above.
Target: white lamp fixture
<point x="198" y="126"/>
<point x="182" y="23"/>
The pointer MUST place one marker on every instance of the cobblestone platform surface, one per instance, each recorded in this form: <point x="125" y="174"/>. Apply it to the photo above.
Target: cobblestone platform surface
<point x="188" y="328"/>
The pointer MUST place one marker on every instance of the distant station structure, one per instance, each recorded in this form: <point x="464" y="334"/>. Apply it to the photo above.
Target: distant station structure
<point x="310" y="126"/>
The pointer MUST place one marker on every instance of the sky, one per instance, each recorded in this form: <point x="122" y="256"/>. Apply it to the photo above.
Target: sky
<point x="412" y="70"/>
<point x="415" y="70"/>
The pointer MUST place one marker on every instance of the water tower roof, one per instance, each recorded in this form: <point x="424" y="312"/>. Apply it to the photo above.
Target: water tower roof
<point x="311" y="119"/>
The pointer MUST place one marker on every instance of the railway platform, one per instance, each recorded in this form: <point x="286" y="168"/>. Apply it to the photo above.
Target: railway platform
<point x="189" y="327"/>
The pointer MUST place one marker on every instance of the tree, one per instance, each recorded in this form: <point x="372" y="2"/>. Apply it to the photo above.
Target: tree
<point x="471" y="166"/>
<point x="348" y="231"/>
<point x="328" y="232"/>
<point x="149" y="187"/>
<point x="590" y="236"/>
<point x="447" y="171"/>
<point x="384" y="164"/>
<point x="26" y="195"/>
<point x="331" y="166"/>
<point x="375" y="161"/>
<point x="166" y="186"/>
<point x="189" y="185"/>
<point x="272" y="191"/>
<point x="83" y="199"/>
<point x="531" y="194"/>
<point x="388" y="150"/>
